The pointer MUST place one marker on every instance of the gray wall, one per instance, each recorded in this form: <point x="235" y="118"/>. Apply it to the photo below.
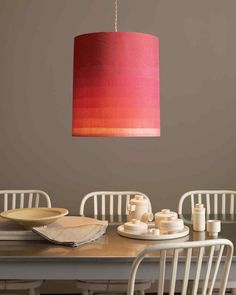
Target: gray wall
<point x="198" y="78"/>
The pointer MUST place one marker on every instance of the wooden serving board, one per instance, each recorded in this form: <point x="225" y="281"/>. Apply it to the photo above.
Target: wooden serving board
<point x="150" y="236"/>
<point x="11" y="231"/>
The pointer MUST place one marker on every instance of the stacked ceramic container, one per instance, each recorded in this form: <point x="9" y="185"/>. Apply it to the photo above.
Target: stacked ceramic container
<point x="168" y="222"/>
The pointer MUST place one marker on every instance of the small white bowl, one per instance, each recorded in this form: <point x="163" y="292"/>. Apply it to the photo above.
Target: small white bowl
<point x="136" y="226"/>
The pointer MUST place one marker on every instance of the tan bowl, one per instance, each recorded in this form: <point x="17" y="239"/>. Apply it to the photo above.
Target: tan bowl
<point x="33" y="217"/>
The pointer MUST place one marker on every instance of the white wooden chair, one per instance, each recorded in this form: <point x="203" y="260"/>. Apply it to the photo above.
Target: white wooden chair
<point x="193" y="254"/>
<point x="218" y="203"/>
<point x="215" y="201"/>
<point x="110" y="204"/>
<point x="13" y="199"/>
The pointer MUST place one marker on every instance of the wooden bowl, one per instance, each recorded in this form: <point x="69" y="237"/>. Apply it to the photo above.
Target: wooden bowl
<point x="33" y="217"/>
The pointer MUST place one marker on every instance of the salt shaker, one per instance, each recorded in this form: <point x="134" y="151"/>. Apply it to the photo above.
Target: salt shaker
<point x="199" y="217"/>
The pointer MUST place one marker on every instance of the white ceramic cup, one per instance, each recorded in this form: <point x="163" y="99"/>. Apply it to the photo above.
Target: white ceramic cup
<point x="146" y="217"/>
<point x="154" y="231"/>
<point x="213" y="227"/>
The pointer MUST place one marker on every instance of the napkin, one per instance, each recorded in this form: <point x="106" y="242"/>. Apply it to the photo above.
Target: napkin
<point x="72" y="230"/>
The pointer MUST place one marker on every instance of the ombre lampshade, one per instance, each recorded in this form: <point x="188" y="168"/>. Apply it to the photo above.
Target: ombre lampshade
<point x="116" y="85"/>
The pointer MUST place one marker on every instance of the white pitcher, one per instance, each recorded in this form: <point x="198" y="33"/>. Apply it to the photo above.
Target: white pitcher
<point x="138" y="209"/>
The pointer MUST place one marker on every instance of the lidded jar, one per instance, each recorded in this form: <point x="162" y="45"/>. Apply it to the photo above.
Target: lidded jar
<point x="164" y="214"/>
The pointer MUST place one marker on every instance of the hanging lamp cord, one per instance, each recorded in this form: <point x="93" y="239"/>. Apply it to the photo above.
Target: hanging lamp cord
<point x="116" y="15"/>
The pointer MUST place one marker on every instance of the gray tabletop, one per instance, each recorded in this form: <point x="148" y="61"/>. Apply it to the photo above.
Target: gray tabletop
<point x="112" y="253"/>
<point x="111" y="245"/>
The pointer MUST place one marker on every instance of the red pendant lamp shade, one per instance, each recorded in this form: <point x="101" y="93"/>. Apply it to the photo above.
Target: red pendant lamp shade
<point x="116" y="85"/>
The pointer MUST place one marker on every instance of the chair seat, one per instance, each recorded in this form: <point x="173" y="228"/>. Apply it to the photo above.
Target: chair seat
<point x="19" y="284"/>
<point x="111" y="285"/>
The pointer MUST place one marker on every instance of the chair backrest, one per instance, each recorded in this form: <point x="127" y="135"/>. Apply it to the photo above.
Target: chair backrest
<point x="216" y="201"/>
<point x="13" y="199"/>
<point x="110" y="202"/>
<point x="192" y="255"/>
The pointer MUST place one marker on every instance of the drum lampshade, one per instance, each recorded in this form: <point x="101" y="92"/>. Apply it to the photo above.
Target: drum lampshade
<point x="116" y="85"/>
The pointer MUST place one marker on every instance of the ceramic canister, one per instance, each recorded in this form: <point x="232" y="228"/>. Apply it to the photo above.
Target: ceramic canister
<point x="136" y="226"/>
<point x="171" y="225"/>
<point x="138" y="208"/>
<point x="164" y="214"/>
<point x="198" y="217"/>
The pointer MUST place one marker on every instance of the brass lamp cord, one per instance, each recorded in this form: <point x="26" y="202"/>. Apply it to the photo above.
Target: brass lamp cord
<point x="116" y="15"/>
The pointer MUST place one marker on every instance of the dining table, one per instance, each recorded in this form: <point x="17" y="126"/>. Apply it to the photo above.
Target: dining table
<point x="109" y="257"/>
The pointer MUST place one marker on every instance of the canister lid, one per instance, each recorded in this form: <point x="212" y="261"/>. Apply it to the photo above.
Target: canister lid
<point x="164" y="213"/>
<point x="138" y="199"/>
<point x="199" y="205"/>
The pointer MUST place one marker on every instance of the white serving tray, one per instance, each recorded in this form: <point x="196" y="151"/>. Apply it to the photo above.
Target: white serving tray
<point x="151" y="236"/>
<point x="10" y="231"/>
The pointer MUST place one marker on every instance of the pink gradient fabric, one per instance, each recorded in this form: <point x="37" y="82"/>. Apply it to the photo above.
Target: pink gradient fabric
<point x="116" y="90"/>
